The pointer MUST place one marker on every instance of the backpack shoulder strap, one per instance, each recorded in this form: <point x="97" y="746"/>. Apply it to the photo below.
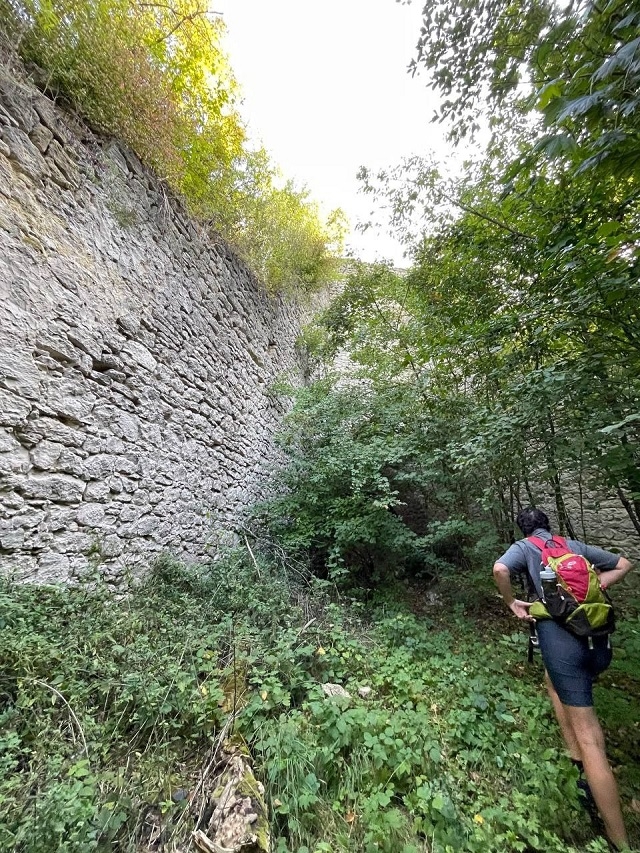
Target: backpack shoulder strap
<point x="535" y="540"/>
<point x="527" y="580"/>
<point x="559" y="540"/>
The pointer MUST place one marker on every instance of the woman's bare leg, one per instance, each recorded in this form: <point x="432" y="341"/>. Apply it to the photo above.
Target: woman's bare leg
<point x="565" y="726"/>
<point x="583" y="736"/>
<point x="588" y="734"/>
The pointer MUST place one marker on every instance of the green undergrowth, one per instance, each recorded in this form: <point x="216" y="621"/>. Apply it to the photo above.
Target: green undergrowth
<point x="109" y="704"/>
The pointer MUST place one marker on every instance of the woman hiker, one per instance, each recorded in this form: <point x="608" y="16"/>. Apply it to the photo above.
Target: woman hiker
<point x="571" y="663"/>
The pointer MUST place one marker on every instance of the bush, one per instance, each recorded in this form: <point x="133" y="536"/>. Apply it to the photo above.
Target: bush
<point x="357" y="458"/>
<point x="156" y="76"/>
<point x="109" y="703"/>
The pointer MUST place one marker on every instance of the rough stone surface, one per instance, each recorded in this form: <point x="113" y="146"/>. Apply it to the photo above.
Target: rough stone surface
<point x="235" y="800"/>
<point x="598" y="518"/>
<point x="136" y="357"/>
<point x="330" y="689"/>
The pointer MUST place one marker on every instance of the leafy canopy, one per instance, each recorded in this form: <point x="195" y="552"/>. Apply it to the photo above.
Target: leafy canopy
<point x="578" y="64"/>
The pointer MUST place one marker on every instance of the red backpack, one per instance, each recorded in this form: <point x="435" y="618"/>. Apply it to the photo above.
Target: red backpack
<point x="577" y="602"/>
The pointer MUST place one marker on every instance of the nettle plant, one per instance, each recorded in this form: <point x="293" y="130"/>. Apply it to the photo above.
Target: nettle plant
<point x="110" y="703"/>
<point x="445" y="754"/>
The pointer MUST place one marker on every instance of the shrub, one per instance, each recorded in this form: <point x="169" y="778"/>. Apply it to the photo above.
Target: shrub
<point x="356" y="454"/>
<point x="155" y="75"/>
<point x="110" y="703"/>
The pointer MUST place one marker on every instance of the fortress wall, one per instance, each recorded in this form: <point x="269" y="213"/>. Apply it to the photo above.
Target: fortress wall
<point x="136" y="358"/>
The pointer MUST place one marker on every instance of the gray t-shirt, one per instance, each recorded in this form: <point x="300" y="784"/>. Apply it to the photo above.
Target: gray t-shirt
<point x="523" y="558"/>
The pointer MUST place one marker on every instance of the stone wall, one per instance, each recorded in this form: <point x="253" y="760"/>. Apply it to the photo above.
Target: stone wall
<point x="136" y="358"/>
<point x="598" y="518"/>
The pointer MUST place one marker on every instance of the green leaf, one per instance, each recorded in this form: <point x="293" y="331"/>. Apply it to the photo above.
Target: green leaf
<point x="620" y="424"/>
<point x="548" y="92"/>
<point x="579" y="106"/>
<point x="607" y="228"/>
<point x="438" y="802"/>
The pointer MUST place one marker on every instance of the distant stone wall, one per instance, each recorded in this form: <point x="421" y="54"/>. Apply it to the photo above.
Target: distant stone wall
<point x="136" y="358"/>
<point x="599" y="519"/>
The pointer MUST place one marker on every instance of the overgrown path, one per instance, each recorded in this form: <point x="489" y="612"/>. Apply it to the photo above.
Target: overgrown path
<point x="617" y="694"/>
<point x="109" y="707"/>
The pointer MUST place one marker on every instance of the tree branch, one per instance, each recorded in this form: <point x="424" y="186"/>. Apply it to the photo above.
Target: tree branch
<point x="487" y="218"/>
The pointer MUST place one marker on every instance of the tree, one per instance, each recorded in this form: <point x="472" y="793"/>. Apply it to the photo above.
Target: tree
<point x="578" y="64"/>
<point x="156" y="76"/>
<point x="511" y="323"/>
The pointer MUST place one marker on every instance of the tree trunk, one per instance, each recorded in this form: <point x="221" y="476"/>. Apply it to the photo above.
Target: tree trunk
<point x="564" y="522"/>
<point x="630" y="508"/>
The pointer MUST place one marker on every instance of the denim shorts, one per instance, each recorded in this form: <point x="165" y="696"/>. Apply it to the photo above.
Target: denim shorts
<point x="572" y="665"/>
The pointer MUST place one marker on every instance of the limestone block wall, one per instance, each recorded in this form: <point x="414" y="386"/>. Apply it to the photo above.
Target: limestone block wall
<point x="600" y="519"/>
<point x="136" y="358"/>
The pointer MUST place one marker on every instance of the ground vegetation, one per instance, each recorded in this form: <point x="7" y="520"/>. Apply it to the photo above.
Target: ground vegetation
<point x="110" y="705"/>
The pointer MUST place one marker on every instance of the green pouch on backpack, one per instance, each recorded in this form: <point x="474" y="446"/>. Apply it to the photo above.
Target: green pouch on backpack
<point x="539" y="611"/>
<point x="591" y="620"/>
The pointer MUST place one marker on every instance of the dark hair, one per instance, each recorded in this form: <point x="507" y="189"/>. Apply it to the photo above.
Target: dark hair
<point x="530" y="519"/>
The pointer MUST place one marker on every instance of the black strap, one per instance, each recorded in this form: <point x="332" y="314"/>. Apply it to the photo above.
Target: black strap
<point x="531" y="591"/>
<point x="533" y="642"/>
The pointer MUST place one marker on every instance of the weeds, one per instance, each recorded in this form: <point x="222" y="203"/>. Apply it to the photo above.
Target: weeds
<point x="109" y="706"/>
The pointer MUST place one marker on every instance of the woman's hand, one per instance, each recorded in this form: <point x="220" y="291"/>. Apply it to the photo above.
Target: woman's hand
<point x="521" y="609"/>
<point x="612" y="576"/>
<point x="502" y="578"/>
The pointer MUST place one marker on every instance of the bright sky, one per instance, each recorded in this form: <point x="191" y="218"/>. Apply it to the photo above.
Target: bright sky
<point x="326" y="89"/>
